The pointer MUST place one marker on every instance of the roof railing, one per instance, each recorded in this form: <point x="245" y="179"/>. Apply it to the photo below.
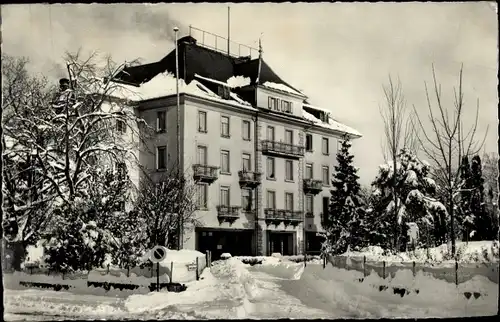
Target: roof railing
<point x="221" y="44"/>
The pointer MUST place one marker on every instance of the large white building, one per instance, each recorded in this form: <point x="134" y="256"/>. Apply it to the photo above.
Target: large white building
<point x="261" y="157"/>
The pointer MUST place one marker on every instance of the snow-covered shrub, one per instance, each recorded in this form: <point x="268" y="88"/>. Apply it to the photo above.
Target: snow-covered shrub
<point x="225" y="256"/>
<point x="416" y="202"/>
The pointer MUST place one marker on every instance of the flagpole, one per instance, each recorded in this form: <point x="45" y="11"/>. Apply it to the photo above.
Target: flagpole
<point x="179" y="229"/>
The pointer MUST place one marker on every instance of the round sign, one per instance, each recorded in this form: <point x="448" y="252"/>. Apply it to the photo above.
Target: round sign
<point x="158" y="254"/>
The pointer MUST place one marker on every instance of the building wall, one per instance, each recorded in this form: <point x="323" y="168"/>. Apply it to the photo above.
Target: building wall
<point x="236" y="146"/>
<point x="318" y="160"/>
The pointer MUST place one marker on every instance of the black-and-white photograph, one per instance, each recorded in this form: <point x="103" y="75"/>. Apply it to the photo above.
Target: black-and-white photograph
<point x="250" y="160"/>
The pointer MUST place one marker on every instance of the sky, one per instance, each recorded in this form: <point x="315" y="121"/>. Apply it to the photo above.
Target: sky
<point x="338" y="54"/>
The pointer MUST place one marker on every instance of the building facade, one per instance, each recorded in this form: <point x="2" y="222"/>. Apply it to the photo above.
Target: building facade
<point x="260" y="157"/>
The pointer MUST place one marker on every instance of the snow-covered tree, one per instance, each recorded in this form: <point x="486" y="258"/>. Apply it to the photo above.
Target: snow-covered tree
<point x="417" y="204"/>
<point x="484" y="224"/>
<point x="25" y="191"/>
<point x="342" y="221"/>
<point x="164" y="204"/>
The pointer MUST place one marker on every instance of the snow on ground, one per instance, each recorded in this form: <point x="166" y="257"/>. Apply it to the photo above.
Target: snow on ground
<point x="472" y="252"/>
<point x="276" y="289"/>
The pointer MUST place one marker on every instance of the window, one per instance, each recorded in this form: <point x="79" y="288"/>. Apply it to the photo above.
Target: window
<point x="289" y="201"/>
<point x="246" y="199"/>
<point x="121" y="126"/>
<point x="224" y="196"/>
<point x="247" y="165"/>
<point x="325" y="146"/>
<point x="270" y="168"/>
<point x="202" y="121"/>
<point x="326" y="176"/>
<point x="286" y="107"/>
<point x="309" y="171"/>
<point x="202" y="196"/>
<point x="288" y="136"/>
<point x="273" y="103"/>
<point x="161" y="157"/>
<point x="309" y="204"/>
<point x="271" y="199"/>
<point x="224" y="126"/>
<point x="121" y="170"/>
<point x="161" y="121"/>
<point x="289" y="170"/>
<point x="245" y="130"/>
<point x="224" y="161"/>
<point x="270" y="133"/>
<point x="309" y="142"/>
<point x="201" y="155"/>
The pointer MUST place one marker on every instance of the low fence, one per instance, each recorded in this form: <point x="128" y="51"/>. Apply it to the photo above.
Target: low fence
<point x="452" y="273"/>
<point x="169" y="273"/>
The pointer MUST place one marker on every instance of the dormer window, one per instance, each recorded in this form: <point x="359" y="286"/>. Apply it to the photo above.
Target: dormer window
<point x="273" y="103"/>
<point x="286" y="107"/>
<point x="224" y="92"/>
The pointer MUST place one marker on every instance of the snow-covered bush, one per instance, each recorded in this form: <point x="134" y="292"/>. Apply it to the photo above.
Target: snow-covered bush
<point x="225" y="256"/>
<point x="416" y="202"/>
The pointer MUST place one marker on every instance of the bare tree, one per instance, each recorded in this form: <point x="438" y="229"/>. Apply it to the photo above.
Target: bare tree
<point x="399" y="135"/>
<point x="160" y="203"/>
<point x="445" y="143"/>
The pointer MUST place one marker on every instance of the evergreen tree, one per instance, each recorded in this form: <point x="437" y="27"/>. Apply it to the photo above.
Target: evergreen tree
<point x="483" y="224"/>
<point x="417" y="204"/>
<point x="342" y="222"/>
<point x="465" y="218"/>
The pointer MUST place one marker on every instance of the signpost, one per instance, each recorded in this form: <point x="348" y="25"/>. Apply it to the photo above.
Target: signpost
<point x="158" y="254"/>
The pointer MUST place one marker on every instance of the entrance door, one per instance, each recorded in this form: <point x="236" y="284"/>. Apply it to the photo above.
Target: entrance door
<point x="280" y="243"/>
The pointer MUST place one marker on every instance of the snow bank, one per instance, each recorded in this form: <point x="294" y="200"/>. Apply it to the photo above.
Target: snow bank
<point x="222" y="292"/>
<point x="435" y="298"/>
<point x="473" y="252"/>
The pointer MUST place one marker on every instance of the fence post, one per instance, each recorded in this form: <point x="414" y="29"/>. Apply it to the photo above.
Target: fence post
<point x="364" y="266"/>
<point x="305" y="259"/>
<point x="383" y="269"/>
<point x="197" y="273"/>
<point x="413" y="269"/>
<point x="324" y="262"/>
<point x="108" y="270"/>
<point x="456" y="272"/>
<point x="171" y="271"/>
<point x="206" y="258"/>
<point x="128" y="271"/>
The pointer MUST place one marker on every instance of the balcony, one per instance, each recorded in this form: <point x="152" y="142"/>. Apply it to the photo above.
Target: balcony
<point x="288" y="217"/>
<point x="313" y="186"/>
<point x="249" y="179"/>
<point x="281" y="149"/>
<point x="228" y="213"/>
<point x="205" y="173"/>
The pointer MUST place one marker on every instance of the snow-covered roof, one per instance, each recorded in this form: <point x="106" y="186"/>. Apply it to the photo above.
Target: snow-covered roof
<point x="165" y="84"/>
<point x="317" y="108"/>
<point x="332" y="125"/>
<point x="238" y="81"/>
<point x="282" y="87"/>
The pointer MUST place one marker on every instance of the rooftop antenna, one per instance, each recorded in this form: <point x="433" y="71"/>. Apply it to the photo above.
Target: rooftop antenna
<point x="228" y="29"/>
<point x="260" y="59"/>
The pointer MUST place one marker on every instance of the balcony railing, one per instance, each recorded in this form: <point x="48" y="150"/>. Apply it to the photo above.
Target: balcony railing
<point x="282" y="149"/>
<point x="249" y="179"/>
<point x="313" y="186"/>
<point x="205" y="173"/>
<point x="228" y="213"/>
<point x="277" y="216"/>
